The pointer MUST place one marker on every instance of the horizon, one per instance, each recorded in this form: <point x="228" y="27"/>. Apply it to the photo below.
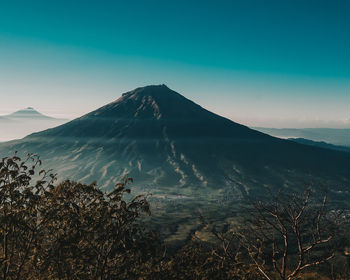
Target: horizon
<point x="275" y="124"/>
<point x="57" y="117"/>
<point x="279" y="65"/>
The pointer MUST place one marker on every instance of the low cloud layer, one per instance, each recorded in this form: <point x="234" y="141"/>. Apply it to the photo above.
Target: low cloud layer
<point x="12" y="129"/>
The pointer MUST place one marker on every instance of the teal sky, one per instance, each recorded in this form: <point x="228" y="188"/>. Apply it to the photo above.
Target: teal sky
<point x="283" y="63"/>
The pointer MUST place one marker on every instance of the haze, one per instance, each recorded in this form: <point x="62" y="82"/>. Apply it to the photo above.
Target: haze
<point x="18" y="130"/>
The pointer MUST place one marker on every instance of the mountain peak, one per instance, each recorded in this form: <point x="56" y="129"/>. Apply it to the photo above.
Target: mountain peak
<point x="151" y="112"/>
<point x="152" y="102"/>
<point x="27" y="113"/>
<point x="150" y="90"/>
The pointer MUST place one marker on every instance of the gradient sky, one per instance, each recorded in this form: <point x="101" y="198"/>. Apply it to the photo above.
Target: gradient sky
<point x="283" y="63"/>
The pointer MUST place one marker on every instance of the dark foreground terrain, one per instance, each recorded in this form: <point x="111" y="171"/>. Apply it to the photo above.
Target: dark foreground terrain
<point x="73" y="230"/>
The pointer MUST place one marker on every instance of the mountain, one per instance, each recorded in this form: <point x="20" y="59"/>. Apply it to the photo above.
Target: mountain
<point x="320" y="144"/>
<point x="24" y="122"/>
<point x="178" y="150"/>
<point x="27" y="113"/>
<point x="340" y="137"/>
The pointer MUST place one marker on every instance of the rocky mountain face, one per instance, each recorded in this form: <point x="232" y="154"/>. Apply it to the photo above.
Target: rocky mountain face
<point x="174" y="148"/>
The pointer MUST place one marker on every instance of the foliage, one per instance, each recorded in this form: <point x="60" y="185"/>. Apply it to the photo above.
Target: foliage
<point x="73" y="230"/>
<point x="68" y="231"/>
<point x="201" y="260"/>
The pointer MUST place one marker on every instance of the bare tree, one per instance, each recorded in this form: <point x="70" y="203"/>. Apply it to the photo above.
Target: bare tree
<point x="290" y="234"/>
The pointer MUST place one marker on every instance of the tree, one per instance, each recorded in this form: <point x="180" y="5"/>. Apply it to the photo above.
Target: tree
<point x="74" y="230"/>
<point x="19" y="212"/>
<point x="290" y="234"/>
<point x="92" y="235"/>
<point x="70" y="230"/>
<point x="282" y="238"/>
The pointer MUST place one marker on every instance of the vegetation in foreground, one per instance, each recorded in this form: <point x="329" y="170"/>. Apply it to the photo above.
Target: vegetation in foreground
<point x="75" y="231"/>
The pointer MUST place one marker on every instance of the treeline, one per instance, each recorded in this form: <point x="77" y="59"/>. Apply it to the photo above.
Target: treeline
<point x="72" y="230"/>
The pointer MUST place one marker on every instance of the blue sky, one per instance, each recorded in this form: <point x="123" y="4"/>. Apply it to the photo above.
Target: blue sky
<point x="262" y="63"/>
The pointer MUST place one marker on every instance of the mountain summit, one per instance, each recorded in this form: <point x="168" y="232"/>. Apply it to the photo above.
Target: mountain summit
<point x="170" y="145"/>
<point x="27" y="113"/>
<point x="153" y="112"/>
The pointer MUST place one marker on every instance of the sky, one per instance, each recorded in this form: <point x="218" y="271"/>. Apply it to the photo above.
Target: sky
<point x="272" y="63"/>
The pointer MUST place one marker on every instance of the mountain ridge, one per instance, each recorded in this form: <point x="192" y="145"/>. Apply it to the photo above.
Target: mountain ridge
<point x="335" y="136"/>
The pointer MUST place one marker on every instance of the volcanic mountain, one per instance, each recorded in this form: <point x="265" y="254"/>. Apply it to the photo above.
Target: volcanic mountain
<point x="27" y="113"/>
<point x="173" y="147"/>
<point x="24" y="122"/>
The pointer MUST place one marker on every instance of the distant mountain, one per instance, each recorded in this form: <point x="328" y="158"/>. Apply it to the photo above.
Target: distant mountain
<point x="27" y="113"/>
<point x="329" y="135"/>
<point x="176" y="149"/>
<point x="320" y="144"/>
<point x="24" y="122"/>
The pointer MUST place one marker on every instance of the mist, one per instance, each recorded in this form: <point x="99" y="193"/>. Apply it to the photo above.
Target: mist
<point x="16" y="129"/>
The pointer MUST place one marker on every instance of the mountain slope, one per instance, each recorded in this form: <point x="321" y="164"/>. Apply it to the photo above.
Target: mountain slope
<point x="173" y="147"/>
